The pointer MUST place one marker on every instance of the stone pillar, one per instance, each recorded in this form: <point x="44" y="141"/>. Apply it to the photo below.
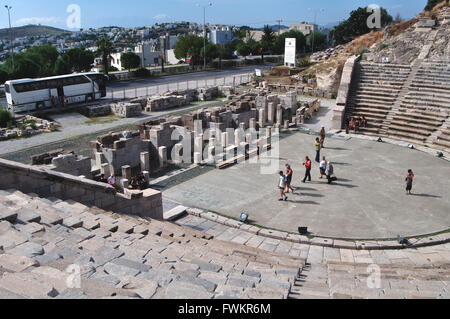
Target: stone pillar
<point x="253" y="124"/>
<point x="126" y="172"/>
<point x="271" y="113"/>
<point x="279" y="114"/>
<point x="237" y="137"/>
<point x="146" y="176"/>
<point x="269" y="134"/>
<point x="145" y="161"/>
<point x="177" y="158"/>
<point x="224" y="139"/>
<point x="286" y="125"/>
<point x="198" y="144"/>
<point x="198" y="128"/>
<point x="248" y="138"/>
<point x="105" y="169"/>
<point x="125" y="183"/>
<point x="197" y="158"/>
<point x="262" y="117"/>
<point x="162" y="151"/>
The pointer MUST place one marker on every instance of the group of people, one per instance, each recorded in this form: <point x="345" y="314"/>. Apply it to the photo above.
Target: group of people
<point x="285" y="179"/>
<point x="111" y="180"/>
<point x="355" y="123"/>
<point x="137" y="182"/>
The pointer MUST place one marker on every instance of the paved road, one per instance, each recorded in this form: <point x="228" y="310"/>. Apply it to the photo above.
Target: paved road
<point x="160" y="84"/>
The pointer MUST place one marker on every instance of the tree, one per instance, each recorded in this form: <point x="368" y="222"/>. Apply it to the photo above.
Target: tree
<point x="189" y="46"/>
<point x="280" y="42"/>
<point x="356" y="25"/>
<point x="3" y="76"/>
<point x="46" y="56"/>
<point x="431" y="4"/>
<point x="212" y="52"/>
<point x="75" y="60"/>
<point x="267" y="41"/>
<point x="104" y="50"/>
<point x="317" y="41"/>
<point x="25" y="66"/>
<point x="130" y="60"/>
<point x="244" y="49"/>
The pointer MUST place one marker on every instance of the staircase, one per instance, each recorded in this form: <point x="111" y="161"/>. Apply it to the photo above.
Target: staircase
<point x="375" y="90"/>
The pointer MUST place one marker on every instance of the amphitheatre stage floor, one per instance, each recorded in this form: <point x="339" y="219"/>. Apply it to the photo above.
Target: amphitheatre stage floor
<point x="368" y="201"/>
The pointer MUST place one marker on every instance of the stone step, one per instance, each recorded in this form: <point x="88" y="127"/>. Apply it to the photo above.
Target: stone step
<point x="175" y="213"/>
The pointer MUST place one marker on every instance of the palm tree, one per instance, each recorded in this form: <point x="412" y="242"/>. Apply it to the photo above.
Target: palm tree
<point x="104" y="50"/>
<point x="267" y="41"/>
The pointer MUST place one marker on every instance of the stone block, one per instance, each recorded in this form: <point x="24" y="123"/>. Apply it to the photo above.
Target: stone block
<point x="15" y="263"/>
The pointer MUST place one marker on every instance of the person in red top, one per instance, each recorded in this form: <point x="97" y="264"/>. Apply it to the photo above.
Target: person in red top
<point x="307" y="165"/>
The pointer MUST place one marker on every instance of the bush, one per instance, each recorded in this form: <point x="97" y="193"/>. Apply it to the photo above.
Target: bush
<point x="305" y="62"/>
<point x="142" y="73"/>
<point x="5" y="118"/>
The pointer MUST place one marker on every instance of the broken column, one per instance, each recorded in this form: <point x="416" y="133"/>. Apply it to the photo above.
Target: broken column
<point x="279" y="115"/>
<point x="162" y="152"/>
<point x="271" y="113"/>
<point x="145" y="161"/>
<point x="224" y="139"/>
<point x="177" y="158"/>
<point x="197" y="158"/>
<point x="262" y="117"/>
<point x="126" y="172"/>
<point x="269" y="134"/>
<point x="253" y="123"/>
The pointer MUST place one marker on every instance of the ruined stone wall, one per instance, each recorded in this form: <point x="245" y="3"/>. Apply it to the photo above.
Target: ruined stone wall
<point x="47" y="183"/>
<point x="344" y="92"/>
<point x="126" y="109"/>
<point x="73" y="165"/>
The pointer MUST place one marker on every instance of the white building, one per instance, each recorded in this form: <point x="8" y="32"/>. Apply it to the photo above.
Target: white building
<point x="221" y="35"/>
<point x="305" y="28"/>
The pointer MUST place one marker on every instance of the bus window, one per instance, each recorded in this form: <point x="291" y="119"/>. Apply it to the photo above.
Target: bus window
<point x="7" y="90"/>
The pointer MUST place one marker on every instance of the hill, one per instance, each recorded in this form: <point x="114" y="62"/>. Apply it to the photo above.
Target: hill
<point x="30" y="31"/>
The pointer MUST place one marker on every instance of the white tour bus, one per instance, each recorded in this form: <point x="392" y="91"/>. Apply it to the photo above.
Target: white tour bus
<point x="33" y="94"/>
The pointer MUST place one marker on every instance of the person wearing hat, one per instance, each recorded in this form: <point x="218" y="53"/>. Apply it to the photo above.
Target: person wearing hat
<point x="322" y="136"/>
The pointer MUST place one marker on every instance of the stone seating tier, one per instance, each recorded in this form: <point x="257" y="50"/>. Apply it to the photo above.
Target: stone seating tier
<point x="126" y="257"/>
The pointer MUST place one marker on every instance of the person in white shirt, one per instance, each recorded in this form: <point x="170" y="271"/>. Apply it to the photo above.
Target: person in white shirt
<point x="323" y="167"/>
<point x="282" y="186"/>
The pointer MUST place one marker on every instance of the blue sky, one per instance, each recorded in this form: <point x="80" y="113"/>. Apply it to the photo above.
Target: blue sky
<point x="133" y="13"/>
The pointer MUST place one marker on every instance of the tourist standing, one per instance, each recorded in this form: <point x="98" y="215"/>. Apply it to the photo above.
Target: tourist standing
<point x="259" y="148"/>
<point x="289" y="174"/>
<point x="409" y="182"/>
<point x="282" y="186"/>
<point x="322" y="137"/>
<point x="112" y="180"/>
<point x="323" y="167"/>
<point x="317" y="147"/>
<point x="330" y="173"/>
<point x="307" y="165"/>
